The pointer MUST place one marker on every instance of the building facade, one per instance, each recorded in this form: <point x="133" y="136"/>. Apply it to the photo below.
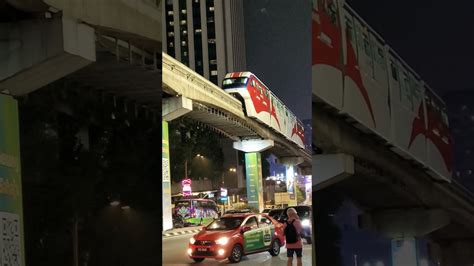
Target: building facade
<point x="206" y="35"/>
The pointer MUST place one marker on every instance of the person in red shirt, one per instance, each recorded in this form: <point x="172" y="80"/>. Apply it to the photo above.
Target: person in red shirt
<point x="292" y="229"/>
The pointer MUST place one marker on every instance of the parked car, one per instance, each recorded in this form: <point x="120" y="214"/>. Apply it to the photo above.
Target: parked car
<point x="235" y="235"/>
<point x="306" y="215"/>
<point x="275" y="213"/>
<point x="238" y="211"/>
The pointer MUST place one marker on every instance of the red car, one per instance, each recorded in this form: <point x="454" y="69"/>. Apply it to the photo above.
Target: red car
<point x="235" y="235"/>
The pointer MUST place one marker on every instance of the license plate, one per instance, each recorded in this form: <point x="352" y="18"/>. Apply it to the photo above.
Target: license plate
<point x="202" y="249"/>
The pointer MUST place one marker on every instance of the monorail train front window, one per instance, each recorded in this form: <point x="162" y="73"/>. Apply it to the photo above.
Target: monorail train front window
<point x="234" y="82"/>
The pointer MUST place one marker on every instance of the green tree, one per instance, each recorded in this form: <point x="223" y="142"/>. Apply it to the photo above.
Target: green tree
<point x="188" y="139"/>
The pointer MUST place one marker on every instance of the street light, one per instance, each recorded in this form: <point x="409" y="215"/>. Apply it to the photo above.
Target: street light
<point x="115" y="203"/>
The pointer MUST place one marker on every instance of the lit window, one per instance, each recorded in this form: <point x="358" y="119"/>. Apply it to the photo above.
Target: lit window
<point x="214" y="73"/>
<point x="183" y="11"/>
<point x="198" y="30"/>
<point x="183" y="43"/>
<point x="170" y="13"/>
<point x="171" y="44"/>
<point x="184" y="32"/>
<point x="170" y="34"/>
<point x="211" y="8"/>
<point x="211" y="41"/>
<point x="213" y="62"/>
<point x="183" y="22"/>
<point x="171" y="23"/>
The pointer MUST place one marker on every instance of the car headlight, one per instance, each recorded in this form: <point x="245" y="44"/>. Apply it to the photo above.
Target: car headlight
<point x="306" y="222"/>
<point x="222" y="241"/>
<point x="192" y="240"/>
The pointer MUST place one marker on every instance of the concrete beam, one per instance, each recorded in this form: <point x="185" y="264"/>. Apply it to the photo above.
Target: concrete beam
<point x="30" y="6"/>
<point x="175" y="107"/>
<point x="329" y="169"/>
<point x="290" y="160"/>
<point x="333" y="133"/>
<point x="306" y="170"/>
<point x="403" y="223"/>
<point x="39" y="52"/>
<point x="253" y="145"/>
<point x="134" y="17"/>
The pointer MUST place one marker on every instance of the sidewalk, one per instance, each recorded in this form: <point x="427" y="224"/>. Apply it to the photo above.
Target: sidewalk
<point x="181" y="231"/>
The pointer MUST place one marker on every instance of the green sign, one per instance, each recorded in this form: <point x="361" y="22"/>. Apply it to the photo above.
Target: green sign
<point x="253" y="167"/>
<point x="167" y="216"/>
<point x="258" y="238"/>
<point x="11" y="205"/>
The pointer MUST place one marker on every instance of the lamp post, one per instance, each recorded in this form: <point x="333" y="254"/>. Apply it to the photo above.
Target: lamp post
<point x="186" y="168"/>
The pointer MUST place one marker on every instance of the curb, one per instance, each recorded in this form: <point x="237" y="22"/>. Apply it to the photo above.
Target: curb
<point x="184" y="232"/>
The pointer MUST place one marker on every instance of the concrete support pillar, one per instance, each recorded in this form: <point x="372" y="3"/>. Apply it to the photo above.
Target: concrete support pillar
<point x="329" y="169"/>
<point x="175" y="107"/>
<point x="166" y="179"/>
<point x="172" y="108"/>
<point x="403" y="226"/>
<point x="404" y="252"/>
<point x="253" y="168"/>
<point x="253" y="145"/>
<point x="11" y="214"/>
<point x="291" y="174"/>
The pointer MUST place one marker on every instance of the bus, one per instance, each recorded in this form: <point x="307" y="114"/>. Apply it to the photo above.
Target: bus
<point x="196" y="211"/>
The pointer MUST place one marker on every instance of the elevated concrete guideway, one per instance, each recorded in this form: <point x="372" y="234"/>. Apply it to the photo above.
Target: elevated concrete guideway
<point x="64" y="36"/>
<point x="399" y="199"/>
<point x="216" y="108"/>
<point x="137" y="19"/>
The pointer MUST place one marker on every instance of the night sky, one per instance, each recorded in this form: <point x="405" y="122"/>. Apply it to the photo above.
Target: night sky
<point x="278" y="43"/>
<point x="436" y="38"/>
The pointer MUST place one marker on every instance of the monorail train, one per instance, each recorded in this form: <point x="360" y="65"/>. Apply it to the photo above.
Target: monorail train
<point x="260" y="103"/>
<point x="358" y="74"/>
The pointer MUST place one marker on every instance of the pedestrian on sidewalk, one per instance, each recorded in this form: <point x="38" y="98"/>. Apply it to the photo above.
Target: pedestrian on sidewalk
<point x="292" y="229"/>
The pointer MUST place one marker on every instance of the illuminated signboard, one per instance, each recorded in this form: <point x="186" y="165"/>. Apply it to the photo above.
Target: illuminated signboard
<point x="186" y="183"/>
<point x="224" y="194"/>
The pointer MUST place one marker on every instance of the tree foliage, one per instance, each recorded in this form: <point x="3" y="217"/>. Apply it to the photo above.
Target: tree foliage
<point x="189" y="139"/>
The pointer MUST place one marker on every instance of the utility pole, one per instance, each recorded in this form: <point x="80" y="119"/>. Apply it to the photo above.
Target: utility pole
<point x="186" y="168"/>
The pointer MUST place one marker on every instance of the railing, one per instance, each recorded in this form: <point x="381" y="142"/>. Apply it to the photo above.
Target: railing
<point x="202" y="85"/>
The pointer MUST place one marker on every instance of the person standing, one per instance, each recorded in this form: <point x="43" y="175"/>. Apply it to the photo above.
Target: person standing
<point x="292" y="229"/>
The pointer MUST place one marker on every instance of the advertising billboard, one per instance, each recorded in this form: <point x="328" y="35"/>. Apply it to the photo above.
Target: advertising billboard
<point x="11" y="205"/>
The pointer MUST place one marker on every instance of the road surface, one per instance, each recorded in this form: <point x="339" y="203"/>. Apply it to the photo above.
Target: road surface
<point x="174" y="253"/>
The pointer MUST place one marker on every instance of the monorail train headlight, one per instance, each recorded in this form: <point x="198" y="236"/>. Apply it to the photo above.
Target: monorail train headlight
<point x="192" y="240"/>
